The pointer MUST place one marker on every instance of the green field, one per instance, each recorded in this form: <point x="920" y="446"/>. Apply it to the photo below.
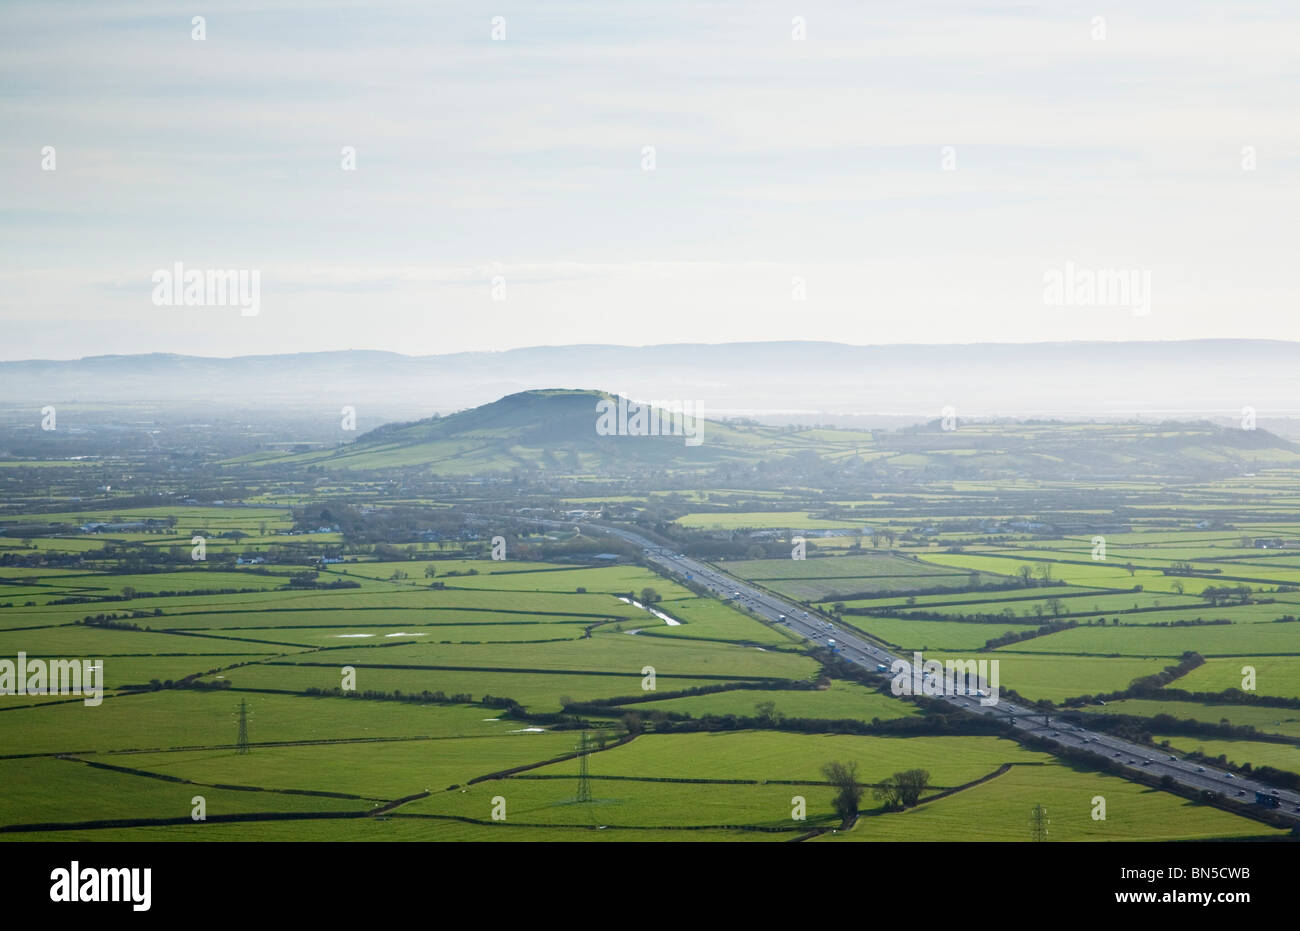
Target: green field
<point x="475" y="679"/>
<point x="1000" y="809"/>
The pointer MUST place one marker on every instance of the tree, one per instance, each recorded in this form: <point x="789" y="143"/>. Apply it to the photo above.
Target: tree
<point x="128" y="592"/>
<point x="911" y="783"/>
<point x="848" y="791"/>
<point x="430" y="572"/>
<point x="1177" y="587"/>
<point x="768" y="714"/>
<point x="649" y="595"/>
<point x="632" y="721"/>
<point x="903" y="789"/>
<point x="1025" y="571"/>
<point x="1054" y="605"/>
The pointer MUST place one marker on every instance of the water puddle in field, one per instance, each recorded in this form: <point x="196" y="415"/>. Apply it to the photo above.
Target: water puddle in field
<point x="405" y="635"/>
<point x="346" y="636"/>
<point x="670" y="621"/>
<point x="491" y="719"/>
<point x="633" y="632"/>
<point x="530" y="730"/>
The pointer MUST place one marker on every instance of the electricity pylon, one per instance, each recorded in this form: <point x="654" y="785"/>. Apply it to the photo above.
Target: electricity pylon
<point x="1038" y="822"/>
<point x="584" y="780"/>
<point x="242" y="745"/>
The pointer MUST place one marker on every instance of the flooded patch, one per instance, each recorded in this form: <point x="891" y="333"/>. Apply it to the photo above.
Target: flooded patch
<point x="670" y="621"/>
<point x="405" y="635"/>
<point x="530" y="730"/>
<point x="345" y="636"/>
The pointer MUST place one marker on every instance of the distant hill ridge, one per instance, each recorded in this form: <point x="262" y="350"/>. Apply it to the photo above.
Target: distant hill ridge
<point x="1192" y="378"/>
<point x="556" y="430"/>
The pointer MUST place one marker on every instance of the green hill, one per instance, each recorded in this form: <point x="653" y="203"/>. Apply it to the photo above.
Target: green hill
<point x="558" y="431"/>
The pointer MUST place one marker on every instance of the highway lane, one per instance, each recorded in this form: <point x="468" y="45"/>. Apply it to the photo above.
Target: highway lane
<point x="816" y="628"/>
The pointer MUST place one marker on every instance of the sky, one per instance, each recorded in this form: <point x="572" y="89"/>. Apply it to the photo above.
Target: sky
<point x="619" y="171"/>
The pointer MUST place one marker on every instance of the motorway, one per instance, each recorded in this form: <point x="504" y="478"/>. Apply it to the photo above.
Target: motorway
<point x="867" y="654"/>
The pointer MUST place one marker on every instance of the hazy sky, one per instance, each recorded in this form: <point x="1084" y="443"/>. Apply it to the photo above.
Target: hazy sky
<point x="775" y="158"/>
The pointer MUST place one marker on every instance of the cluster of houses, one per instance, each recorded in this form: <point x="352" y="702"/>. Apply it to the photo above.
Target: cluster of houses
<point x="1060" y="528"/>
<point x="120" y="526"/>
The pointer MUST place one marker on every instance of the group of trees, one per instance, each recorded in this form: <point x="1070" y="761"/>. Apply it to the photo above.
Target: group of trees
<point x="901" y="790"/>
<point x="1225" y="594"/>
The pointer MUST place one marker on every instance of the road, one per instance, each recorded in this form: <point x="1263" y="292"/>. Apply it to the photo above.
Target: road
<point x="1131" y="756"/>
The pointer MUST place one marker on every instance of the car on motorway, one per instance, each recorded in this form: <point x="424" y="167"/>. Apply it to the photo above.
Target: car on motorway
<point x="1200" y="769"/>
<point x="1229" y="776"/>
<point x="1173" y="758"/>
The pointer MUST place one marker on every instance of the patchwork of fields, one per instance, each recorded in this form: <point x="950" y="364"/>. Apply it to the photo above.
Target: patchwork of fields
<point x="445" y="697"/>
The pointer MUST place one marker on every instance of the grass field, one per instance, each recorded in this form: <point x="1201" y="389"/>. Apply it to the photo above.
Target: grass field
<point x="1000" y="810"/>
<point x="1273" y="675"/>
<point x="547" y="635"/>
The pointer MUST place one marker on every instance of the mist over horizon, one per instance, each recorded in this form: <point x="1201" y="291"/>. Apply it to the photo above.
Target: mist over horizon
<point x="776" y="382"/>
